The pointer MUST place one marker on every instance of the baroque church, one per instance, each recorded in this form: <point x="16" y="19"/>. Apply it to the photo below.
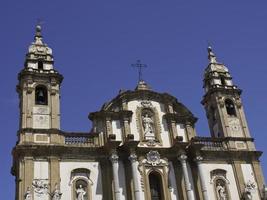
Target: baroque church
<point x="143" y="144"/>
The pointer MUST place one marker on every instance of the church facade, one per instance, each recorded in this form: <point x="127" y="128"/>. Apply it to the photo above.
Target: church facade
<point x="143" y="144"/>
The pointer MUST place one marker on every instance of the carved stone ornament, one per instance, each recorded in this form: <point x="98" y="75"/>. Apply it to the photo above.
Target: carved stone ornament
<point x="40" y="187"/>
<point x="133" y="157"/>
<point x="153" y="158"/>
<point x="28" y="194"/>
<point x="221" y="102"/>
<point x="238" y="103"/>
<point x="114" y="157"/>
<point x="56" y="195"/>
<point x="250" y="188"/>
<point x="146" y="104"/>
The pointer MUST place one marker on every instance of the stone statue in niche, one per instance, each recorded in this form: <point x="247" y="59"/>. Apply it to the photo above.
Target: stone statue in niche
<point x="221" y="191"/>
<point x="80" y="193"/>
<point x="148" y="126"/>
<point x="28" y="195"/>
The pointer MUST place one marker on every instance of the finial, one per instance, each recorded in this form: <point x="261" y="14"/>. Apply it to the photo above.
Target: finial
<point x="211" y="55"/>
<point x="38" y="28"/>
<point x="38" y="34"/>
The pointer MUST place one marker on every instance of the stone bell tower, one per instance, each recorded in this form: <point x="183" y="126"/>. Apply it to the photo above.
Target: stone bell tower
<point x="222" y="101"/>
<point x="39" y="88"/>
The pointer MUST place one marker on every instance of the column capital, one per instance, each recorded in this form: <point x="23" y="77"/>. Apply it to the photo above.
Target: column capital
<point x="182" y="157"/>
<point x="114" y="157"/>
<point x="198" y="159"/>
<point x="132" y="157"/>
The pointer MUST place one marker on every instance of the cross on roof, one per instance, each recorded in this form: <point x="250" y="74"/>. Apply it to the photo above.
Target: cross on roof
<point x="139" y="65"/>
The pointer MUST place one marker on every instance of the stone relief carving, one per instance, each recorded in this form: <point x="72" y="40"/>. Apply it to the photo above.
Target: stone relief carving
<point x="56" y="195"/>
<point x="146" y="104"/>
<point x="40" y="187"/>
<point x="153" y="158"/>
<point x="28" y="195"/>
<point x="249" y="189"/>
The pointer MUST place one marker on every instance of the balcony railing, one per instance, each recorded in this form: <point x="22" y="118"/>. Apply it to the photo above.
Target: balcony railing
<point x="81" y="139"/>
<point x="214" y="144"/>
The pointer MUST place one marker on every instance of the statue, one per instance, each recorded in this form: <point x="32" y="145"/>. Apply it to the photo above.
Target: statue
<point x="56" y="194"/>
<point x="249" y="188"/>
<point x="28" y="195"/>
<point x="80" y="193"/>
<point x="221" y="193"/>
<point x="148" y="127"/>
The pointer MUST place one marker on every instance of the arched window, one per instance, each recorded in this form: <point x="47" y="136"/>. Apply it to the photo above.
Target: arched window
<point x="41" y="95"/>
<point x="155" y="184"/>
<point x="40" y="65"/>
<point x="230" y="107"/>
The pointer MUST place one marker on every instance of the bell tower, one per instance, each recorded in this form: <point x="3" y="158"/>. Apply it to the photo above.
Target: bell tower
<point x="39" y="88"/>
<point x="222" y="101"/>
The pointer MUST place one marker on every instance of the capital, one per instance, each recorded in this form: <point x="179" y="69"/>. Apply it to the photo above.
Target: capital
<point x="114" y="157"/>
<point x="198" y="159"/>
<point x="182" y="157"/>
<point x="132" y="157"/>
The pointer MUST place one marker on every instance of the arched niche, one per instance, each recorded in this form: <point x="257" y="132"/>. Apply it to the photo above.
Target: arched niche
<point x="81" y="184"/>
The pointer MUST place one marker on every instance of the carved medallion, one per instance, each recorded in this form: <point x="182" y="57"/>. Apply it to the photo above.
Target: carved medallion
<point x="153" y="158"/>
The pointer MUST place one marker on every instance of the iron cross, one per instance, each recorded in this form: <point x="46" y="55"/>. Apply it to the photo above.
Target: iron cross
<point x="139" y="65"/>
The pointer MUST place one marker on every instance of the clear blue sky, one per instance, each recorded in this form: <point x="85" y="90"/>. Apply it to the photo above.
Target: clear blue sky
<point x="95" y="42"/>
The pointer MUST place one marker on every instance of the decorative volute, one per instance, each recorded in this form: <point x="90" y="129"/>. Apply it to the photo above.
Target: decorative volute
<point x="39" y="56"/>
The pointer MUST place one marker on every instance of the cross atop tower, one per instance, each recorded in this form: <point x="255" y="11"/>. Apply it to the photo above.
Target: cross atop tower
<point x="139" y="65"/>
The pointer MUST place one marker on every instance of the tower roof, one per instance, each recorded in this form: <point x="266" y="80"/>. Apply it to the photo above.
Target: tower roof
<point x="38" y="50"/>
<point x="214" y="65"/>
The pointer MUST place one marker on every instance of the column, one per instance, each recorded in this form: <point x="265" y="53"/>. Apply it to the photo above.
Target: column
<point x="115" y="169"/>
<point x="188" y="186"/>
<point x="134" y="165"/>
<point x="198" y="160"/>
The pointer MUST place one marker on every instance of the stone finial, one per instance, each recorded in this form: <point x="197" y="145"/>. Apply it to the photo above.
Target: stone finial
<point x="38" y="35"/>
<point x="211" y="55"/>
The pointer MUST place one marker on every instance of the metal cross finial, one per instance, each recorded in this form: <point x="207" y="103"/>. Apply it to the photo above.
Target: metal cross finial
<point x="139" y="65"/>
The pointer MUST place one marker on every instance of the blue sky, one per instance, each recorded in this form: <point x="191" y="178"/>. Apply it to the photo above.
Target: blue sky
<point x="95" y="42"/>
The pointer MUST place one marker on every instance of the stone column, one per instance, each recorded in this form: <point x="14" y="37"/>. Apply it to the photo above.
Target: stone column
<point x="134" y="165"/>
<point x="115" y="169"/>
<point x="198" y="160"/>
<point x="188" y="187"/>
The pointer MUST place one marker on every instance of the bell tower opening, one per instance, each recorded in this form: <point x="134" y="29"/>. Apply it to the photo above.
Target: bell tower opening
<point x="155" y="184"/>
<point x="230" y="107"/>
<point x="41" y="95"/>
<point x="40" y="65"/>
